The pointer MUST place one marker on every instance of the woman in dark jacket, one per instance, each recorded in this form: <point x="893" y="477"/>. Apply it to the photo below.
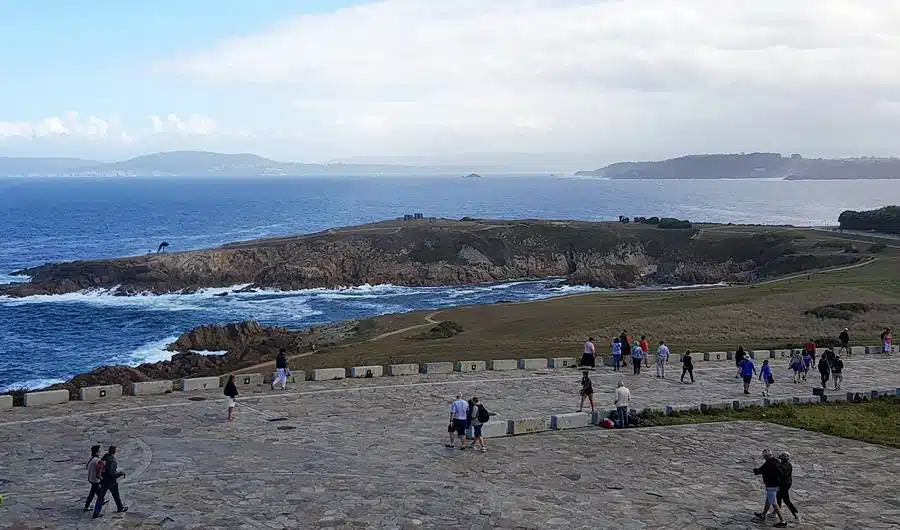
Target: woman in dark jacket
<point x="587" y="391"/>
<point x="824" y="370"/>
<point x="784" y="484"/>
<point x="231" y="392"/>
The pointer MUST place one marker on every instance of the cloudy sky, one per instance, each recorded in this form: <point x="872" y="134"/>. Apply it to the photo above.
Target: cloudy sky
<point x="321" y="80"/>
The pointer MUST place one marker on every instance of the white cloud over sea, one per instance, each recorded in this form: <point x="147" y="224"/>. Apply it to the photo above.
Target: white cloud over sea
<point x="618" y="78"/>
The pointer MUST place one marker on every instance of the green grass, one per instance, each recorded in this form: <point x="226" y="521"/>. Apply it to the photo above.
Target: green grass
<point x="876" y="421"/>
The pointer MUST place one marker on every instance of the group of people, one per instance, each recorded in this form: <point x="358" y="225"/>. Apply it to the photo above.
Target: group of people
<point x="103" y="476"/>
<point x="623" y="347"/>
<point x="830" y="365"/>
<point x="467" y="416"/>
<point x="777" y="476"/>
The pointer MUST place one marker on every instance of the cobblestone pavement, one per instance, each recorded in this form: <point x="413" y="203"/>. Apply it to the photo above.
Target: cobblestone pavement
<point x="370" y="453"/>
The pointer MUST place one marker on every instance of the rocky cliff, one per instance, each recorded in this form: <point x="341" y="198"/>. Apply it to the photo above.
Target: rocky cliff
<point x="441" y="252"/>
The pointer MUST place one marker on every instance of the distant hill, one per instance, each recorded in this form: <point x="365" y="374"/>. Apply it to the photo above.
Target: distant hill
<point x="752" y="166"/>
<point x="40" y="165"/>
<point x="885" y="219"/>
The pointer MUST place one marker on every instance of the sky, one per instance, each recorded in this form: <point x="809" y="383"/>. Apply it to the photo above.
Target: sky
<point x="320" y="80"/>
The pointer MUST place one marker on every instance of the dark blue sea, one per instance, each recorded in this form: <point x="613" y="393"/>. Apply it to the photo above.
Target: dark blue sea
<point x="45" y="339"/>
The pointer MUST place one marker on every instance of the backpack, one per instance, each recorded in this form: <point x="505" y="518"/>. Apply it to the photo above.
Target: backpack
<point x="483" y="415"/>
<point x="469" y="412"/>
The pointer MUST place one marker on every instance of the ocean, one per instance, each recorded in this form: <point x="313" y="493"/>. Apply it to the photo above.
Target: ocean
<point x="46" y="339"/>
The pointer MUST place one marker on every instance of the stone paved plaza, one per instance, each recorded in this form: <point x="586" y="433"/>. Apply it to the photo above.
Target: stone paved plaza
<point x="370" y="454"/>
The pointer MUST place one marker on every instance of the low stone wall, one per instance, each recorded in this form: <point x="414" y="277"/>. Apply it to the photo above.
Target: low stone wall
<point x="503" y="364"/>
<point x="437" y="368"/>
<point x="533" y="364"/>
<point x="6" y="402"/>
<point x="358" y="372"/>
<point x="470" y="366"/>
<point x="149" y="388"/>
<point x="403" y="369"/>
<point x="199" y="383"/>
<point x="562" y="362"/>
<point x="98" y="393"/>
<point x="47" y="397"/>
<point x="328" y="374"/>
<point x="244" y="380"/>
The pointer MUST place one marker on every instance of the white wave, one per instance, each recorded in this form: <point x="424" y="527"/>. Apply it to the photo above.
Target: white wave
<point x="13" y="278"/>
<point x="31" y="384"/>
<point x="151" y="352"/>
<point x="209" y="353"/>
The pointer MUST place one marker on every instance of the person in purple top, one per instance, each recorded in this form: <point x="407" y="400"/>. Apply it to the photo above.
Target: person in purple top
<point x="797" y="366"/>
<point x="748" y="370"/>
<point x="765" y="375"/>
<point x="807" y="362"/>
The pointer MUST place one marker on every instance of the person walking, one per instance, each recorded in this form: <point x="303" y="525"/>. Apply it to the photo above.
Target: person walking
<point x="231" y="394"/>
<point x="887" y="341"/>
<point x="807" y="364"/>
<point x="459" y="414"/>
<point x="784" y="484"/>
<point x="797" y="367"/>
<point x="281" y="369"/>
<point x="645" y="352"/>
<point x="739" y="356"/>
<point x="480" y="416"/>
<point x="748" y="370"/>
<point x="617" y="354"/>
<point x="109" y="482"/>
<point x="687" y="366"/>
<point x="771" y="475"/>
<point x="588" y="357"/>
<point x="587" y="391"/>
<point x="623" y="398"/>
<point x="93" y="476"/>
<point x="844" y="337"/>
<point x="625" y="339"/>
<point x="810" y="348"/>
<point x="636" y="354"/>
<point x="662" y="359"/>
<point x="765" y="375"/>
<point x="824" y="371"/>
<point x="837" y="372"/>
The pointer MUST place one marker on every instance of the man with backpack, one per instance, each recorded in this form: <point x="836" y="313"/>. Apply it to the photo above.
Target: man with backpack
<point x="480" y="416"/>
<point x="109" y="474"/>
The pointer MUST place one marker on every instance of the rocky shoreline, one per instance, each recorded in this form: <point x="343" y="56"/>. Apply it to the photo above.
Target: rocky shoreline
<point x="440" y="252"/>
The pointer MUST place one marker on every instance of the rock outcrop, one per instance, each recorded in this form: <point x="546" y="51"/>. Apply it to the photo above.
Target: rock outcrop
<point x="440" y="252"/>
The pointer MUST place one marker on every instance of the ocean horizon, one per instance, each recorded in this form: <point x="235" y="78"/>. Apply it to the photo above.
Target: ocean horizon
<point x="46" y="339"/>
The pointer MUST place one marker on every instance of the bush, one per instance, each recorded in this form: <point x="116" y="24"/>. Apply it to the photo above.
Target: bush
<point x="672" y="223"/>
<point x="877" y="248"/>
<point x="444" y="330"/>
<point x="885" y="219"/>
<point x="844" y="311"/>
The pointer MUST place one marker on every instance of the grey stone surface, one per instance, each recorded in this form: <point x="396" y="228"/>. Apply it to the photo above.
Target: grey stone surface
<point x="328" y="374"/>
<point x="503" y="364"/>
<point x="570" y="420"/>
<point x="437" y="368"/>
<point x="365" y="371"/>
<point x="403" y="369"/>
<point x="562" y="362"/>
<point x="47" y="397"/>
<point x="470" y="366"/>
<point x="149" y="388"/>
<point x="6" y="402"/>
<point x="199" y="383"/>
<point x="353" y="461"/>
<point x="96" y="393"/>
<point x="533" y="364"/>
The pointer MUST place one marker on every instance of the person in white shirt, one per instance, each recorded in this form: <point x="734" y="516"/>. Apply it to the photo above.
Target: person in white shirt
<point x="459" y="420"/>
<point x="588" y="357"/>
<point x="662" y="357"/>
<point x="623" y="397"/>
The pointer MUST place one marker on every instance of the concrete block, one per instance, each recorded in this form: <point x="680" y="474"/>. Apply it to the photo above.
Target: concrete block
<point x="6" y="402"/>
<point x="150" y="388"/>
<point x="781" y="354"/>
<point x="503" y="364"/>
<point x="805" y="400"/>
<point x="328" y="374"/>
<point x="872" y="350"/>
<point x="437" y="368"/>
<point x="97" y="393"/>
<point x="529" y="425"/>
<point x="599" y="415"/>
<point x="296" y="375"/>
<point x="740" y="404"/>
<point x="562" y="362"/>
<point x="495" y="429"/>
<point x="470" y="366"/>
<point x="48" y="397"/>
<point x="245" y="380"/>
<point x="717" y="356"/>
<point x="572" y="420"/>
<point x="716" y="405"/>
<point x="696" y="357"/>
<point x="761" y="354"/>
<point x="532" y="364"/>
<point x="358" y="372"/>
<point x="403" y="369"/>
<point x="858" y="350"/>
<point x="677" y="409"/>
<point x="833" y="398"/>
<point x="199" y="383"/>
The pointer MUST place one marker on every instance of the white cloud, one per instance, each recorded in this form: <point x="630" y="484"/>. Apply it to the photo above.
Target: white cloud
<point x="613" y="76"/>
<point x="68" y="125"/>
<point x="193" y="126"/>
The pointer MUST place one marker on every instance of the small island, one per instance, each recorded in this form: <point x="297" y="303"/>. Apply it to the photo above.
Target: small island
<point x="473" y="176"/>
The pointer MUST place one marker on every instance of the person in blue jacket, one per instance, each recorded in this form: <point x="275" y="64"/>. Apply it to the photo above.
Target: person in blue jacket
<point x="765" y="375"/>
<point x="748" y="370"/>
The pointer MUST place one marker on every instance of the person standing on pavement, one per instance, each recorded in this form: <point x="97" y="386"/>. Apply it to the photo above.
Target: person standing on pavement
<point x="738" y="359"/>
<point x="837" y="372"/>
<point x="109" y="482"/>
<point x="93" y="476"/>
<point x="765" y="375"/>
<point x="636" y="354"/>
<point x="587" y="391"/>
<point x="645" y="351"/>
<point x="281" y="369"/>
<point x="687" y="366"/>
<point x="231" y="394"/>
<point x="588" y="356"/>
<point x="771" y="475"/>
<point x="480" y="416"/>
<point x="617" y="354"/>
<point x="797" y="366"/>
<point x="748" y="370"/>
<point x="824" y="371"/>
<point x="887" y="341"/>
<point x="844" y="337"/>
<point x="623" y="398"/>
<point x="459" y="416"/>
<point x="662" y="358"/>
<point x="625" y="339"/>
<point x="784" y="484"/>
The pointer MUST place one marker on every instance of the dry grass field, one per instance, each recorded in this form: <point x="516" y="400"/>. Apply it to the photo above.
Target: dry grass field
<point x="768" y="315"/>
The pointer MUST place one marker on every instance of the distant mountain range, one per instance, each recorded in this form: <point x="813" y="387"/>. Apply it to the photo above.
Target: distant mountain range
<point x="752" y="166"/>
<point x="202" y="163"/>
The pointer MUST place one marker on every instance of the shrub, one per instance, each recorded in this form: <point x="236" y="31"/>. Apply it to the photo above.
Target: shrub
<point x="844" y="311"/>
<point x="443" y="330"/>
<point x="877" y="248"/>
<point x="672" y="223"/>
